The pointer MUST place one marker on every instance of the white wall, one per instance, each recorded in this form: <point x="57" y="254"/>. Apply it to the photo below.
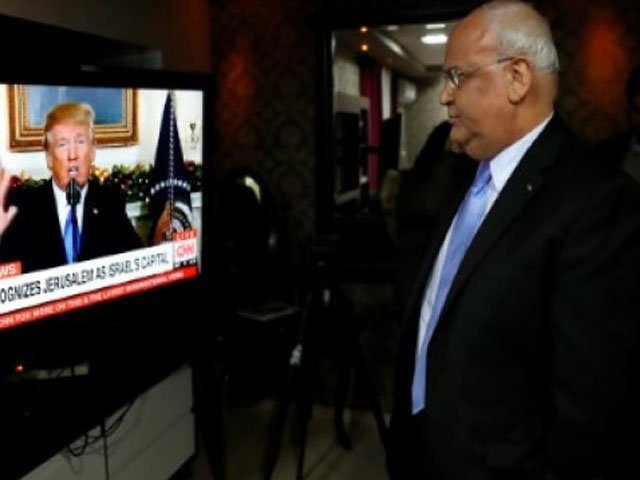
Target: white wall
<point x="150" y="107"/>
<point x="419" y="116"/>
<point x="346" y="74"/>
<point x="179" y="28"/>
<point x="422" y="115"/>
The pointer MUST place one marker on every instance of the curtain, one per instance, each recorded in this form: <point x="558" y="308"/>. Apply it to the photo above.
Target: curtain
<point x="371" y="88"/>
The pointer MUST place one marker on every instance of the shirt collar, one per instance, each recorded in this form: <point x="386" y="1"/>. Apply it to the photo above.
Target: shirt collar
<point x="61" y="196"/>
<point x="62" y="207"/>
<point x="505" y="162"/>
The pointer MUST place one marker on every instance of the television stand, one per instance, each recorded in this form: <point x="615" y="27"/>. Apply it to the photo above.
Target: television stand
<point x="151" y="436"/>
<point x="23" y="374"/>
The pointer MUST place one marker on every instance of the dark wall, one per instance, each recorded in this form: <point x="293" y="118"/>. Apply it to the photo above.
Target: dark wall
<point x="598" y="44"/>
<point x="78" y="47"/>
<point x="264" y="62"/>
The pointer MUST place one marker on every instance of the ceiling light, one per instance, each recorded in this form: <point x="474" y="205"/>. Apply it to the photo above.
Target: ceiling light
<point x="364" y="47"/>
<point x="390" y="44"/>
<point x="435" y="26"/>
<point x="364" y="29"/>
<point x="434" y="38"/>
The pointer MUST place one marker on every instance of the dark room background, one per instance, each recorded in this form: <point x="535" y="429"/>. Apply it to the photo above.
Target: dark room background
<point x="263" y="55"/>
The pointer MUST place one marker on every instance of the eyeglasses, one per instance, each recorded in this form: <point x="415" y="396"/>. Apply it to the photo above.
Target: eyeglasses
<point x="454" y="76"/>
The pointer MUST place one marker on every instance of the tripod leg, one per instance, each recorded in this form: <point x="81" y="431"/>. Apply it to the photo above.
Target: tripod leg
<point x="304" y="431"/>
<point x="210" y="381"/>
<point x="374" y="401"/>
<point x="274" y="444"/>
<point x="309" y="375"/>
<point x="342" y="392"/>
<point x="276" y="430"/>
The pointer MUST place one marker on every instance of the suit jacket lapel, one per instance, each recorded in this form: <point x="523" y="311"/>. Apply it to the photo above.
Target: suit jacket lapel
<point x="461" y="181"/>
<point x="51" y="224"/>
<point x="89" y="222"/>
<point x="521" y="186"/>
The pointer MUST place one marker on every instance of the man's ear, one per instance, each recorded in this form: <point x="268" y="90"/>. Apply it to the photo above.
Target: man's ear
<point x="49" y="160"/>
<point x="520" y="80"/>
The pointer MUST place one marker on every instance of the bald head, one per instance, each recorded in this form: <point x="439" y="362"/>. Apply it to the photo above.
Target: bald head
<point x="505" y="63"/>
<point x="519" y="30"/>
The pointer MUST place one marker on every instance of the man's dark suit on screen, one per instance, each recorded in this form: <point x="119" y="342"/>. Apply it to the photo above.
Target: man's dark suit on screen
<point x="34" y="237"/>
<point x="532" y="368"/>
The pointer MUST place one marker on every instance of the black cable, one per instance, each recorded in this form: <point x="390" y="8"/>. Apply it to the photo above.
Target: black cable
<point x="105" y="431"/>
<point x="79" y="451"/>
<point x="105" y="450"/>
<point x="111" y="429"/>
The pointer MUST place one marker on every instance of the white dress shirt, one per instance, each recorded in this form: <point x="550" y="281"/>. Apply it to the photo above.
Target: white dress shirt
<point x="501" y="166"/>
<point x="62" y="207"/>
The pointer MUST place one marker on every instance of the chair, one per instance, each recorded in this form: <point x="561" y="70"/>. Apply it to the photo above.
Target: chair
<point x="256" y="260"/>
<point x="251" y="295"/>
<point x="268" y="325"/>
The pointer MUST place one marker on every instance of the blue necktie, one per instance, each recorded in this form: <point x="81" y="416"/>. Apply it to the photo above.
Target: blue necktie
<point x="466" y="223"/>
<point x="71" y="236"/>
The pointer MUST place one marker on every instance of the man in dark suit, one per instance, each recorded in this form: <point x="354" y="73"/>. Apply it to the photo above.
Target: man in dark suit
<point x="68" y="218"/>
<point x="526" y="367"/>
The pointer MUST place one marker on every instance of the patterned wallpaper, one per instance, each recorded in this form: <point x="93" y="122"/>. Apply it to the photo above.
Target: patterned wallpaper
<point x="264" y="60"/>
<point x="264" y="64"/>
<point x="598" y="43"/>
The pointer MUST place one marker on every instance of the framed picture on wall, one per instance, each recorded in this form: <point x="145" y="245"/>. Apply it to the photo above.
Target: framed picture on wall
<point x="116" y="113"/>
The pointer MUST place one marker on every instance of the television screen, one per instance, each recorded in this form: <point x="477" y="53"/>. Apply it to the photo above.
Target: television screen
<point x="101" y="190"/>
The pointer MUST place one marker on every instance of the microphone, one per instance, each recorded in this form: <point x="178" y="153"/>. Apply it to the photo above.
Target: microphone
<point x="73" y="192"/>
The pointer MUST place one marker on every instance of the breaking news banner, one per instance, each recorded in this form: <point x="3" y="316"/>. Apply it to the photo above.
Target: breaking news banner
<point x="33" y="295"/>
<point x="185" y="247"/>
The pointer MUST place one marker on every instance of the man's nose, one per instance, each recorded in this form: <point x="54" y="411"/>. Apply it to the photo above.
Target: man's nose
<point x="446" y="94"/>
<point x="73" y="152"/>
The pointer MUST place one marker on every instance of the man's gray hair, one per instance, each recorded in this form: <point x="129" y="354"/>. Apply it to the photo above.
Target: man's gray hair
<point x="520" y="30"/>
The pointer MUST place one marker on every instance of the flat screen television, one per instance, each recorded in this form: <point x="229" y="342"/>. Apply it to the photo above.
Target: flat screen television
<point x="152" y="153"/>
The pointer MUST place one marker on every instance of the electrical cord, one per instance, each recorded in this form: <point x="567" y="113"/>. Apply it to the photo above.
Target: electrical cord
<point x="89" y="440"/>
<point x="79" y="451"/>
<point x="105" y="450"/>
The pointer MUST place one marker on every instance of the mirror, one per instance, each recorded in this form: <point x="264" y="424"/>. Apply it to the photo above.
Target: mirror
<point x="386" y="81"/>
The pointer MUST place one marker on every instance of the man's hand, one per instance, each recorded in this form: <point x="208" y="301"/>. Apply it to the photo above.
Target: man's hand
<point x="7" y="212"/>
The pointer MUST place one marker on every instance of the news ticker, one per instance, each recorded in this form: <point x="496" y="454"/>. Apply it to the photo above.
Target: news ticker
<point x="30" y="296"/>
